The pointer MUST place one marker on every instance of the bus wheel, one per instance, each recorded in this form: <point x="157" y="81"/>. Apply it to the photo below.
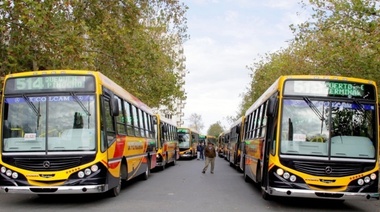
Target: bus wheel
<point x="145" y="175"/>
<point x="246" y="178"/>
<point x="174" y="160"/>
<point x="265" y="195"/>
<point x="163" y="164"/>
<point x="115" y="191"/>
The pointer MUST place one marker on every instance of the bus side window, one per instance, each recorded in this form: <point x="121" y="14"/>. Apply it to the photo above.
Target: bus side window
<point x="108" y="122"/>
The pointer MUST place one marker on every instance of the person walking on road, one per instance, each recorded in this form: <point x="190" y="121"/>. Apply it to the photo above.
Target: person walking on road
<point x="202" y="152"/>
<point x="199" y="149"/>
<point x="210" y="155"/>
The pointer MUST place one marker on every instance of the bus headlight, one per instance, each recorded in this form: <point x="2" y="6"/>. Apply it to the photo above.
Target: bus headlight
<point x="367" y="179"/>
<point x="280" y="172"/>
<point x="360" y="182"/>
<point x="3" y="169"/>
<point x="373" y="176"/>
<point x="14" y="175"/>
<point x="81" y="174"/>
<point x="94" y="168"/>
<point x="286" y="175"/>
<point x="293" y="178"/>
<point x="8" y="173"/>
<point x="87" y="171"/>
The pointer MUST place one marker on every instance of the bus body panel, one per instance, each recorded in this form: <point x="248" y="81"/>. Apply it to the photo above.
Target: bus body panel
<point x="292" y="174"/>
<point x="99" y="170"/>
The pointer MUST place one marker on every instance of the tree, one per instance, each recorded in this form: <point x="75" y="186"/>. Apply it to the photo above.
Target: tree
<point x="341" y="38"/>
<point x="135" y="43"/>
<point x="215" y="129"/>
<point x="195" y="122"/>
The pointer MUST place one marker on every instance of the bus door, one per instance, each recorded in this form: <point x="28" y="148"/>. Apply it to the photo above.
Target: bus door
<point x="271" y="114"/>
<point x="114" y="145"/>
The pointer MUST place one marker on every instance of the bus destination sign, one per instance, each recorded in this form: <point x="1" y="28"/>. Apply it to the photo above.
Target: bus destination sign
<point x="329" y="88"/>
<point x="50" y="83"/>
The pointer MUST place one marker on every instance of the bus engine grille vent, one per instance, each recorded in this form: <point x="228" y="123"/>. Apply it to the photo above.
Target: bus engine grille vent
<point x="47" y="164"/>
<point x="329" y="169"/>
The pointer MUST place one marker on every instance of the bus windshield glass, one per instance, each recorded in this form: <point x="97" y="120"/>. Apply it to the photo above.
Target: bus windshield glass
<point x="184" y="139"/>
<point x="334" y="129"/>
<point x="41" y="123"/>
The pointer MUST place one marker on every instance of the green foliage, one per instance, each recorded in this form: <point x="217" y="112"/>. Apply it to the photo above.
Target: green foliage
<point x="136" y="42"/>
<point x="341" y="38"/>
<point x="215" y="129"/>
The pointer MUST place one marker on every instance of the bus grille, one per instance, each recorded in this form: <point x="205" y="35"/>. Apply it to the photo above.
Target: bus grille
<point x="330" y="169"/>
<point x="47" y="164"/>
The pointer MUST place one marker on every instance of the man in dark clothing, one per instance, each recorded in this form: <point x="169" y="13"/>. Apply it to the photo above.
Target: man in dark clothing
<point x="202" y="151"/>
<point x="199" y="150"/>
<point x="210" y="155"/>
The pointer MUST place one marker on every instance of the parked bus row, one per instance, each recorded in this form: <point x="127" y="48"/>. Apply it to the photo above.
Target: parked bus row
<point x="77" y="131"/>
<point x="309" y="136"/>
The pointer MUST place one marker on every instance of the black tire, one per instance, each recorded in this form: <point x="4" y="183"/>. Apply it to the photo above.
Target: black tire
<point x="145" y="175"/>
<point x="265" y="195"/>
<point x="174" y="159"/>
<point x="246" y="178"/>
<point x="115" y="191"/>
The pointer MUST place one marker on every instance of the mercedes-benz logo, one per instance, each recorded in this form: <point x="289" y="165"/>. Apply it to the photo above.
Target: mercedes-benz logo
<point x="46" y="164"/>
<point x="328" y="170"/>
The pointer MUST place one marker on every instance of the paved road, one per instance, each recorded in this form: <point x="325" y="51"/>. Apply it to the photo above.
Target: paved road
<point x="182" y="188"/>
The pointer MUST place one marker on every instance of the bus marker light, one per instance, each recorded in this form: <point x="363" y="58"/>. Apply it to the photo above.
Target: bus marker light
<point x="3" y="169"/>
<point x="293" y="178"/>
<point x="8" y="173"/>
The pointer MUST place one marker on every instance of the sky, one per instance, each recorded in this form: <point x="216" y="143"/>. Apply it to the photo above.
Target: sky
<point x="226" y="36"/>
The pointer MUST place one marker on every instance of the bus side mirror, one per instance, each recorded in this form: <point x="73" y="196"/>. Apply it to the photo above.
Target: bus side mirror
<point x="271" y="106"/>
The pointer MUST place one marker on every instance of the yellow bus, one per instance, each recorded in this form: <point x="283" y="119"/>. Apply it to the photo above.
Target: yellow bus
<point x="314" y="137"/>
<point x="212" y="139"/>
<point x="221" y="145"/>
<point x="72" y="131"/>
<point x="188" y="141"/>
<point x="167" y="142"/>
<point x="235" y="144"/>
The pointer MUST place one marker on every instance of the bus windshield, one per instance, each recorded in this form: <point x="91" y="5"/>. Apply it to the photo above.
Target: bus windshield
<point x="49" y="123"/>
<point x="328" y="128"/>
<point x="184" y="140"/>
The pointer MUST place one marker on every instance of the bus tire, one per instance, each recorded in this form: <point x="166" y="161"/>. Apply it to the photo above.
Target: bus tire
<point x="246" y="178"/>
<point x="115" y="191"/>
<point x="145" y="175"/>
<point x="174" y="159"/>
<point x="265" y="195"/>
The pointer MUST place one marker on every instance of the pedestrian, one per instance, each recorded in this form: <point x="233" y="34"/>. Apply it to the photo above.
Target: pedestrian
<point x="210" y="157"/>
<point x="199" y="149"/>
<point x="202" y="151"/>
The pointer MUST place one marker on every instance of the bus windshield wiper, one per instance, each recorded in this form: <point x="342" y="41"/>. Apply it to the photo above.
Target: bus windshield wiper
<point x="314" y="108"/>
<point x="80" y="103"/>
<point x="31" y="105"/>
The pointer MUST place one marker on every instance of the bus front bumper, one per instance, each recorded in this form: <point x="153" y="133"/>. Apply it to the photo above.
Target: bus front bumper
<point x="322" y="194"/>
<point x="54" y="189"/>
